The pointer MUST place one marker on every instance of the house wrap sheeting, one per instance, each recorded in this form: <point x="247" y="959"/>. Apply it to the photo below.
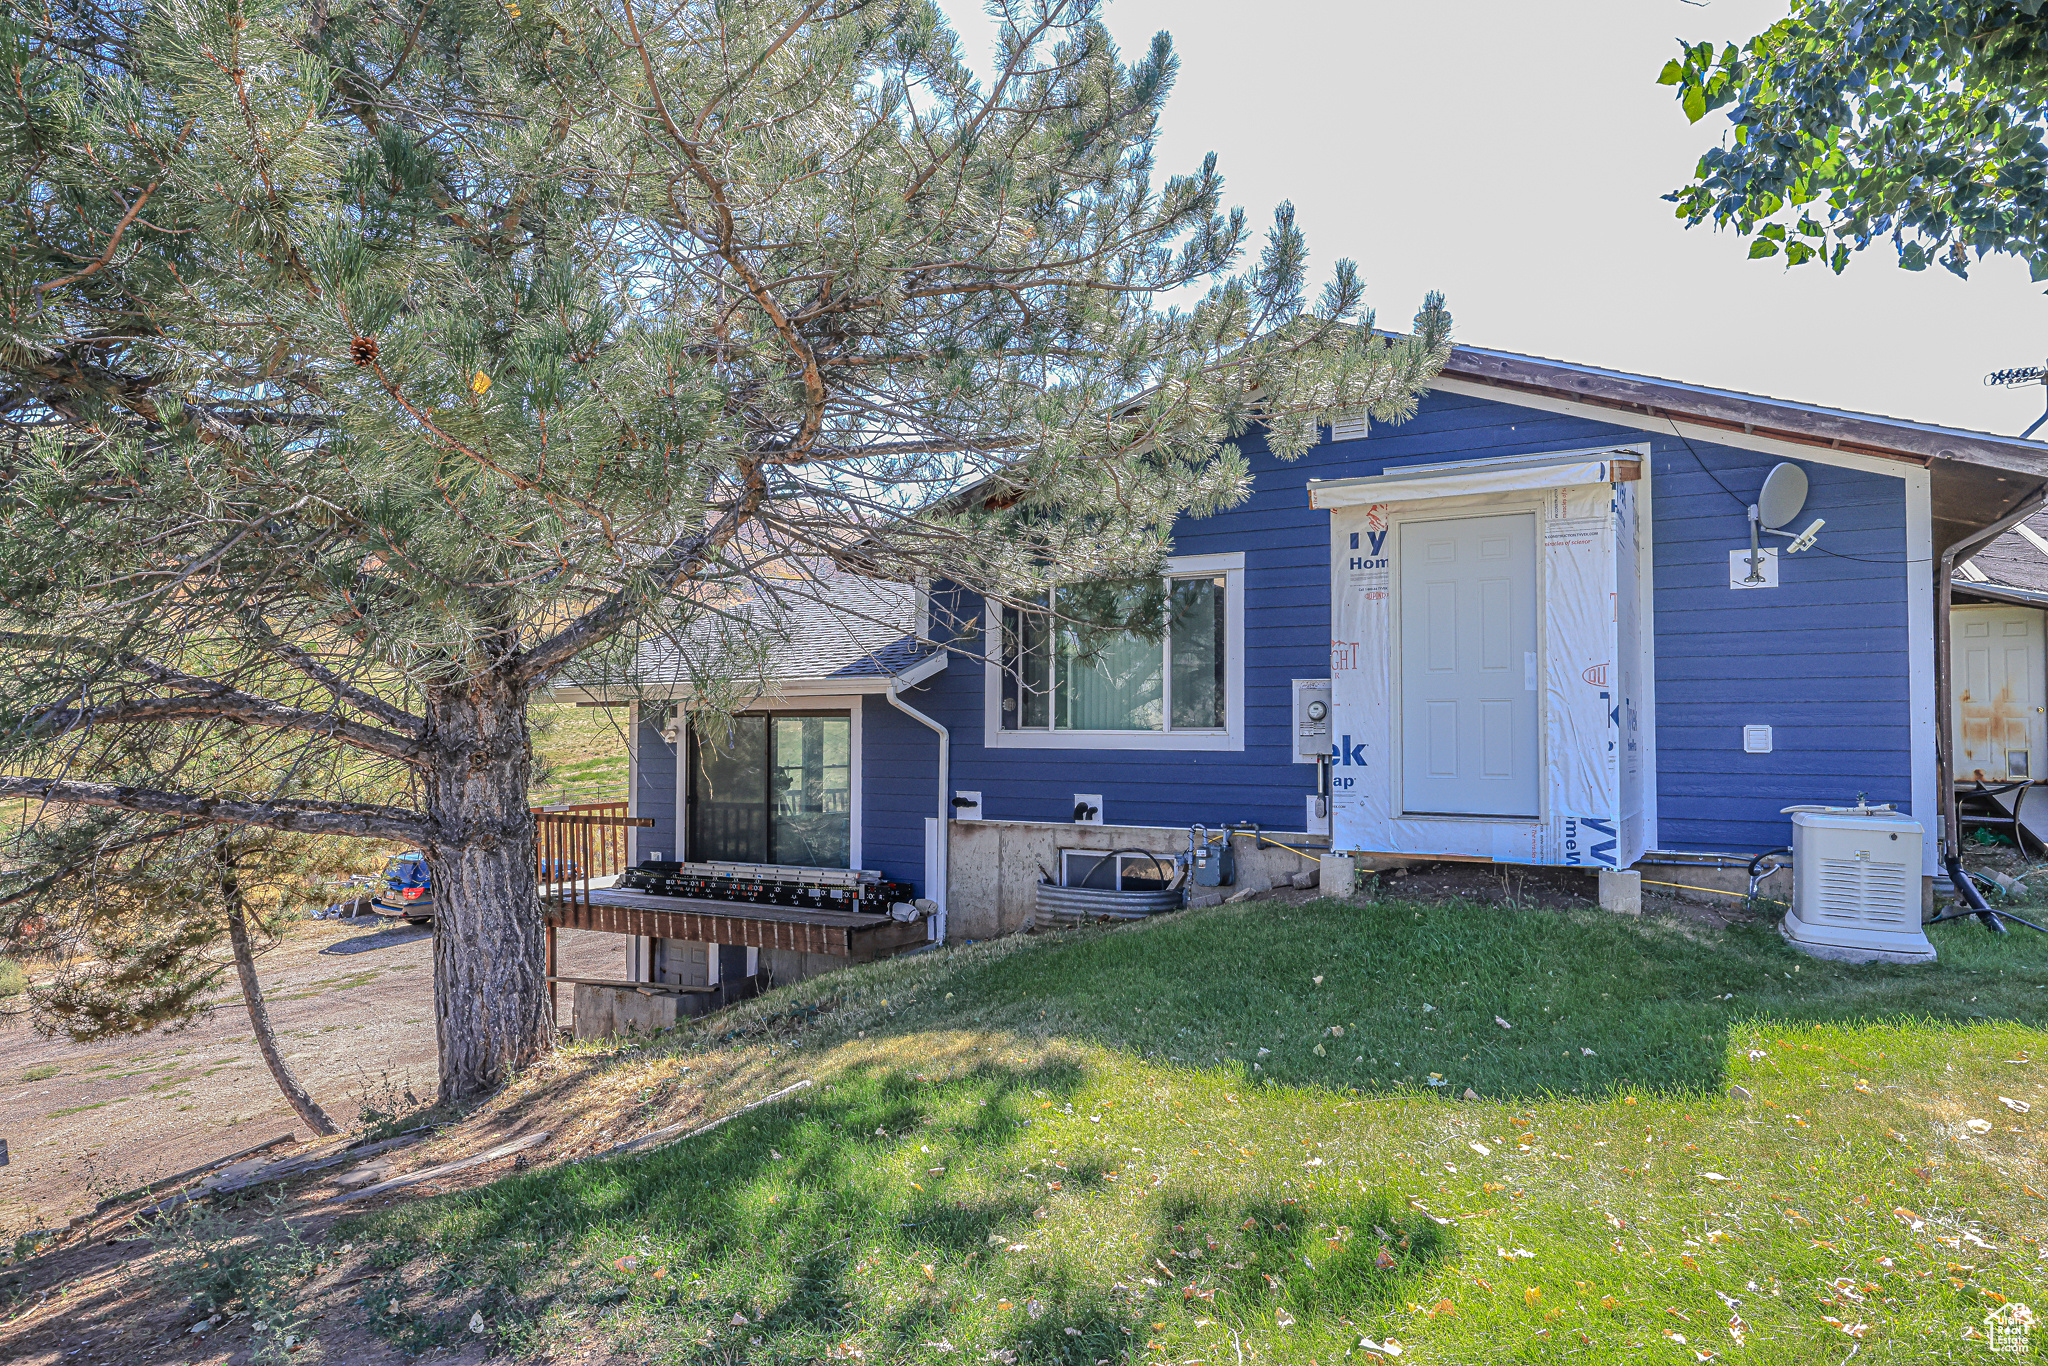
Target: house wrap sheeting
<point x="1588" y="669"/>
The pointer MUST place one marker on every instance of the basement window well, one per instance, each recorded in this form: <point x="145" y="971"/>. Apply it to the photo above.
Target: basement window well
<point x="1124" y="871"/>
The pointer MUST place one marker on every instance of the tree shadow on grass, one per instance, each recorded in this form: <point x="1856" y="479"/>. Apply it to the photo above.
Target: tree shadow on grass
<point x="1213" y="1267"/>
<point x="1309" y="1254"/>
<point x="909" y="1207"/>
<point x="808" y="1190"/>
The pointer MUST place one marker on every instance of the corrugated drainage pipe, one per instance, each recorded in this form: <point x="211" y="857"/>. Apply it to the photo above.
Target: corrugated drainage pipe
<point x="945" y="803"/>
<point x="1080" y="905"/>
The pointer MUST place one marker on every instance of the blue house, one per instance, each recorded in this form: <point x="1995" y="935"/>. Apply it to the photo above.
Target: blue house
<point x="1531" y="618"/>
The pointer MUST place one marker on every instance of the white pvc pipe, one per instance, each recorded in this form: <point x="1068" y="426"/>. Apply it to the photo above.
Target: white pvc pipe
<point x="945" y="801"/>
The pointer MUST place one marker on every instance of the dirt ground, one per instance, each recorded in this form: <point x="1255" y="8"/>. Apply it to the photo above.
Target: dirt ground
<point x="1487" y="885"/>
<point x="107" y="1295"/>
<point x="103" y="1299"/>
<point x="353" y="1005"/>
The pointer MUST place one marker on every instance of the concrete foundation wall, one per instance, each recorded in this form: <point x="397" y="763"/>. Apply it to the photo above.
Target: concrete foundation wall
<point x="1686" y="881"/>
<point x="994" y="867"/>
<point x="604" y="1011"/>
<point x="1700" y="883"/>
<point x="601" y="1011"/>
<point x="783" y="966"/>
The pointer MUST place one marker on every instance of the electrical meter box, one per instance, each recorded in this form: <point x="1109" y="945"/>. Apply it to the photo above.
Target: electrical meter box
<point x="1311" y="718"/>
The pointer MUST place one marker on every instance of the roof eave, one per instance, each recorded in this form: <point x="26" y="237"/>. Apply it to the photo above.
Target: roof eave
<point x="828" y="685"/>
<point x="1745" y="414"/>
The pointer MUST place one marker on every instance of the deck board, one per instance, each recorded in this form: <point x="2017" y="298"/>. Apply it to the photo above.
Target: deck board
<point x="838" y="933"/>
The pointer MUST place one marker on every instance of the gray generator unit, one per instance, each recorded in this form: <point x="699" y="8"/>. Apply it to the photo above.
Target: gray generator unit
<point x="1856" y="885"/>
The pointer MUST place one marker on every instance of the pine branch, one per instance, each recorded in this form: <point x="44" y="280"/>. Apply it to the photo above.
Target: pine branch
<point x="51" y="875"/>
<point x="228" y="705"/>
<point x="216" y="700"/>
<point x="681" y="562"/>
<point x="342" y="689"/>
<point x="298" y="817"/>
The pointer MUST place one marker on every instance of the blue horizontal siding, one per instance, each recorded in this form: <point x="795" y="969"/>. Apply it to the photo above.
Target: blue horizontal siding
<point x="1823" y="658"/>
<point x="654" y="792"/>
<point x="899" y="787"/>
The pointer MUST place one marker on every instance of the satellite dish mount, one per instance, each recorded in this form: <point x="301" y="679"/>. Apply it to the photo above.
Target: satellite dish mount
<point x="1778" y="502"/>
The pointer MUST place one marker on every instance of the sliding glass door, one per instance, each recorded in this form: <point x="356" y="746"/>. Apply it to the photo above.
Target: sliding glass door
<point x="773" y="788"/>
<point x="729" y="792"/>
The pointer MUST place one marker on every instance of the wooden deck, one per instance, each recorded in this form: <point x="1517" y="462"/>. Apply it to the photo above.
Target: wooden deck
<point x="859" y="938"/>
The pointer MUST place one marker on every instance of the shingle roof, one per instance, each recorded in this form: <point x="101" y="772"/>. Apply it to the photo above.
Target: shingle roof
<point x="2013" y="560"/>
<point x="836" y="627"/>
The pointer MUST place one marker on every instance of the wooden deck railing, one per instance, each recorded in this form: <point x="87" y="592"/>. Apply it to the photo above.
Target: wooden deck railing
<point x="573" y="845"/>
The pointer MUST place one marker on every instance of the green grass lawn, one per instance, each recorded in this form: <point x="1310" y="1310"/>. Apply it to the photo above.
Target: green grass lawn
<point x="1154" y="1144"/>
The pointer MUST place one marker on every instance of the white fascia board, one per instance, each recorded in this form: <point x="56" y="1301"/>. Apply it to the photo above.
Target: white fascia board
<point x="930" y="666"/>
<point x="917" y="673"/>
<point x="1514" y="474"/>
<point x="1661" y="426"/>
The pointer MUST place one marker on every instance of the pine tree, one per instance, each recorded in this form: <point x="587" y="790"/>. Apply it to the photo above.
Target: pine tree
<point x="145" y="914"/>
<point x="368" y="367"/>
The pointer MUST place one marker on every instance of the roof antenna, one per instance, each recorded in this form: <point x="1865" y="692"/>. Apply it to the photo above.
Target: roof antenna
<point x="2012" y="379"/>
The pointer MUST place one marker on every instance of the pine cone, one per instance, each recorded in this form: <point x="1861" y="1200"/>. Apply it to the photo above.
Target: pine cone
<point x="363" y="351"/>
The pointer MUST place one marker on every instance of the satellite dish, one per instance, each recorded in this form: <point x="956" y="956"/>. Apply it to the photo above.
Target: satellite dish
<point x="1784" y="493"/>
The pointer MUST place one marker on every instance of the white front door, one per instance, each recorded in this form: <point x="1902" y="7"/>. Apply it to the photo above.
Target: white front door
<point x="1996" y="674"/>
<point x="1469" y="739"/>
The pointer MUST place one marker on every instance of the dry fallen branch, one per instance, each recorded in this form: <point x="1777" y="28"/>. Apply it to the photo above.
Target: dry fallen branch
<point x="517" y="1145"/>
<point x="649" y="1140"/>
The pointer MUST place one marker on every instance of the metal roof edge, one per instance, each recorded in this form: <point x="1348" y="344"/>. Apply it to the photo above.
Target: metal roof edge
<point x="1998" y="592"/>
<point x="1749" y="414"/>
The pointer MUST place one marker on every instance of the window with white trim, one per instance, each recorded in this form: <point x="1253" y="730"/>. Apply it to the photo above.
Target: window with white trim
<point x="1061" y="676"/>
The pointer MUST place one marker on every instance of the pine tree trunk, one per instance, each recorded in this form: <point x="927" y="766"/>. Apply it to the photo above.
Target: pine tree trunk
<point x="259" y="1023"/>
<point x="490" y="957"/>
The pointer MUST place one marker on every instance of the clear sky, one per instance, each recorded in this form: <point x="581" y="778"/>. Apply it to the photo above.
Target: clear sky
<point x="1513" y="155"/>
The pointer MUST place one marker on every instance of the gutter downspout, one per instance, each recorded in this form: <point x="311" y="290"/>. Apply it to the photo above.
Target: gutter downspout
<point x="1944" y="722"/>
<point x="945" y="803"/>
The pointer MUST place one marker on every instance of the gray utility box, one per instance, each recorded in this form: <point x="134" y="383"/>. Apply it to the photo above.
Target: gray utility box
<point x="1312" y="718"/>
